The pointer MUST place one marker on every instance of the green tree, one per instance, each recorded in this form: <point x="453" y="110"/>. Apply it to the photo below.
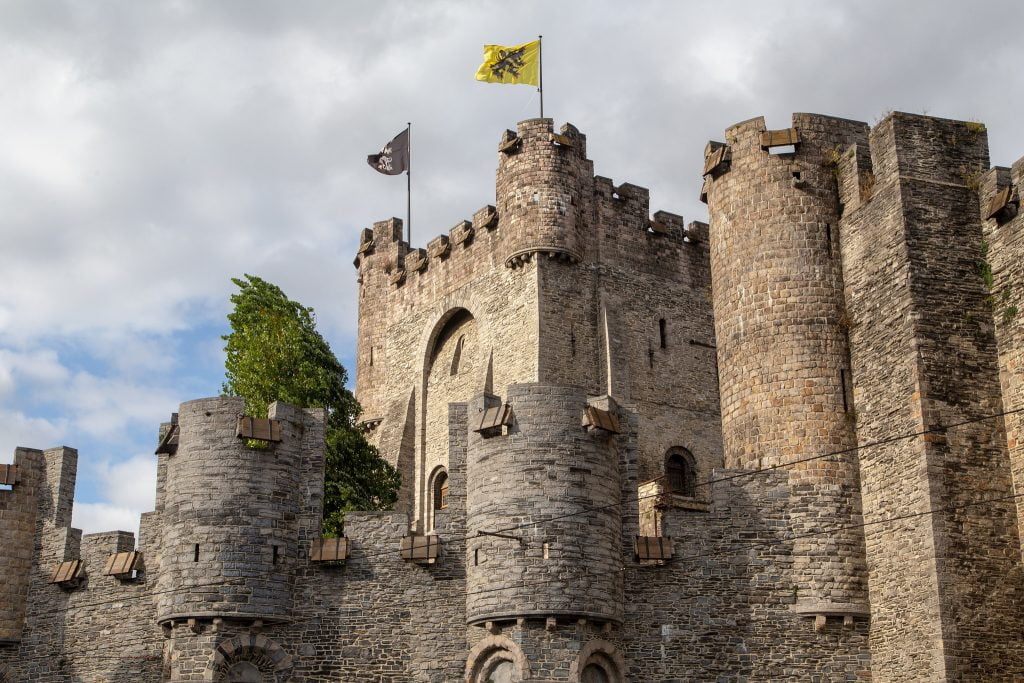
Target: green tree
<point x="274" y="352"/>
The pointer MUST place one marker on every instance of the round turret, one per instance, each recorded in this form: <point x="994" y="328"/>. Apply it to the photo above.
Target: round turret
<point x="540" y="191"/>
<point x="230" y="533"/>
<point x="558" y="553"/>
<point x="780" y="325"/>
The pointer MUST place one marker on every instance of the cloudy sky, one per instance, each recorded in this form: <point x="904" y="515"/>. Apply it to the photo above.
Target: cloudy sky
<point x="151" y="151"/>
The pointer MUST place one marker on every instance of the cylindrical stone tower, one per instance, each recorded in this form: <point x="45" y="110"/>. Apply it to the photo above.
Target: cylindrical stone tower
<point x="540" y="185"/>
<point x="559" y="554"/>
<point x="230" y="531"/>
<point x="780" y="324"/>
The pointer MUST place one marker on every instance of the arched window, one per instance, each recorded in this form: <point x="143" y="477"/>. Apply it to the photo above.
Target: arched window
<point x="244" y="672"/>
<point x="681" y="472"/>
<point x="594" y="673"/>
<point x="497" y="659"/>
<point x="502" y="672"/>
<point x="598" y="662"/>
<point x="441" y="490"/>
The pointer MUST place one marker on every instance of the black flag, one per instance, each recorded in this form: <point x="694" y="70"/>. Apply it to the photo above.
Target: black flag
<point x="394" y="157"/>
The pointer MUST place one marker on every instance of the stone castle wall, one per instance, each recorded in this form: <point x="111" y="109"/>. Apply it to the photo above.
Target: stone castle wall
<point x="911" y="239"/>
<point x="783" y="356"/>
<point x="1004" y="256"/>
<point x="862" y="354"/>
<point x="567" y="279"/>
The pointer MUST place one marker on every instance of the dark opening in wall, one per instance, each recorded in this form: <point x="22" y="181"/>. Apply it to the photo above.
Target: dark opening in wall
<point x="572" y="340"/>
<point x="371" y="356"/>
<point x="828" y="237"/>
<point x="441" y="491"/>
<point x="275" y="554"/>
<point x="195" y="556"/>
<point x="681" y="472"/>
<point x="663" y="333"/>
<point x="847" y="389"/>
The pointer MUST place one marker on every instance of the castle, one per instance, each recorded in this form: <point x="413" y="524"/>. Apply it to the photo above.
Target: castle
<point x="785" y="446"/>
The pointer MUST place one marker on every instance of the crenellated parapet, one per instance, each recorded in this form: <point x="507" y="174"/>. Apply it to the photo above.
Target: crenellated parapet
<point x="548" y="202"/>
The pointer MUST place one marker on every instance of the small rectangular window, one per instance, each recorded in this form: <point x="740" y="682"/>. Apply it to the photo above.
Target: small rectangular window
<point x="195" y="556"/>
<point x="275" y="554"/>
<point x="663" y="333"/>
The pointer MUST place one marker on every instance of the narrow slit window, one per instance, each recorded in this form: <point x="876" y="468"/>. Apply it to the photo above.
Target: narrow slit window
<point x="476" y="557"/>
<point x="371" y="356"/>
<point x="547" y="551"/>
<point x="663" y="333"/>
<point x="572" y="340"/>
<point x="275" y="554"/>
<point x="828" y="237"/>
<point x="195" y="554"/>
<point x="846" y="387"/>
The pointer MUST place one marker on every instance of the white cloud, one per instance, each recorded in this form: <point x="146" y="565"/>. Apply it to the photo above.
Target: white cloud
<point x="18" y="429"/>
<point x="40" y="367"/>
<point x="92" y="518"/>
<point x="128" y="489"/>
<point x="130" y="483"/>
<point x="106" y="407"/>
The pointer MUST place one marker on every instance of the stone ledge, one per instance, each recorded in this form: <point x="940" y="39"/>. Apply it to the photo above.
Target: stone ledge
<point x="832" y="609"/>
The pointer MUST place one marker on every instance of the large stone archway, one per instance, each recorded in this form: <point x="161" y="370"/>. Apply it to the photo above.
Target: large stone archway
<point x="496" y="650"/>
<point x="238" y="659"/>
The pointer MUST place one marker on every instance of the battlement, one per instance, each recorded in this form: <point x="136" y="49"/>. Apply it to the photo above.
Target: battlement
<point x="535" y="153"/>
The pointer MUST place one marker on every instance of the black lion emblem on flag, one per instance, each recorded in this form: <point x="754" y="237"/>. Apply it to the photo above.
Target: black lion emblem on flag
<point x="509" y="61"/>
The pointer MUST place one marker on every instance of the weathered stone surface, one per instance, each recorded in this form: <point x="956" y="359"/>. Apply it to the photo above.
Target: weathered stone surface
<point x="852" y="305"/>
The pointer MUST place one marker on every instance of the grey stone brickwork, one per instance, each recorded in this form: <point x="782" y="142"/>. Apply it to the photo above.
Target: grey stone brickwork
<point x="1004" y="255"/>
<point x="911" y="241"/>
<point x="783" y="356"/>
<point x="825" y="357"/>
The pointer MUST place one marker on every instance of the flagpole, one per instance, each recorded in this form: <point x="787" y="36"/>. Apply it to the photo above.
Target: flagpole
<point x="408" y="189"/>
<point x="540" y="68"/>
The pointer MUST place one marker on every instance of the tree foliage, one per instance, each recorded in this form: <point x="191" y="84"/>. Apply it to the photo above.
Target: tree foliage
<point x="274" y="352"/>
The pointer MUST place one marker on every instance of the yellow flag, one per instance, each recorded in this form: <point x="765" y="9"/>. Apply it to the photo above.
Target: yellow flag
<point x="516" y="64"/>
